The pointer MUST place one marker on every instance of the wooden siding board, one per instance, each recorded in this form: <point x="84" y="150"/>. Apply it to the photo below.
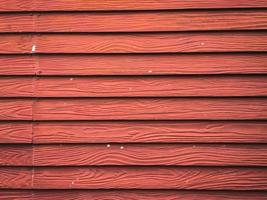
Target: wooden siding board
<point x="135" y="43"/>
<point x="16" y="155"/>
<point x="151" y="109"/>
<point x="150" y="154"/>
<point x="80" y="5"/>
<point x="17" y="86"/>
<point x="132" y="64"/>
<point x="16" y="195"/>
<point x="149" y="64"/>
<point x="15" y="132"/>
<point x="16" y="109"/>
<point x="15" y="178"/>
<point x="150" y="178"/>
<point x="134" y="21"/>
<point x="147" y="195"/>
<point x="151" y="43"/>
<point x="149" y="132"/>
<point x="17" y="65"/>
<point x="149" y="86"/>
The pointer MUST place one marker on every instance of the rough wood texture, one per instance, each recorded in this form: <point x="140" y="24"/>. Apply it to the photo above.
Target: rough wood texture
<point x="81" y="5"/>
<point x="135" y="42"/>
<point x="147" y="195"/>
<point x="17" y="195"/>
<point x="151" y="178"/>
<point x="148" y="154"/>
<point x="130" y="195"/>
<point x="16" y="109"/>
<point x="151" y="109"/>
<point x="16" y="43"/>
<point x="149" y="64"/>
<point x="17" y="65"/>
<point x="149" y="132"/>
<point x="15" y="132"/>
<point x="142" y="43"/>
<point x="134" y="21"/>
<point x="16" y="155"/>
<point x="134" y="86"/>
<point x="15" y="177"/>
<point x="16" y="86"/>
<point x="132" y="64"/>
<point x="142" y="86"/>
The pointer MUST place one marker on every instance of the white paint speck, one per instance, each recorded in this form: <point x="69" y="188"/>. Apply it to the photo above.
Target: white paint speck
<point x="108" y="145"/>
<point x="33" y="48"/>
<point x="202" y="43"/>
<point x="149" y="71"/>
<point x="71" y="79"/>
<point x="121" y="147"/>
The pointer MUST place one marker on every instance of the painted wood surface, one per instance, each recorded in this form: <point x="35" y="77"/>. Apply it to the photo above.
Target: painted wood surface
<point x="150" y="132"/>
<point x="130" y="194"/>
<point x="134" y="21"/>
<point x="134" y="42"/>
<point x="132" y="64"/>
<point x="80" y="5"/>
<point x="150" y="178"/>
<point x="150" y="154"/>
<point x="151" y="109"/>
<point x="133" y="100"/>
<point x="19" y="132"/>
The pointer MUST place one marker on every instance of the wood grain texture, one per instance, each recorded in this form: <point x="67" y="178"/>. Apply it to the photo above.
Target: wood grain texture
<point x="149" y="154"/>
<point x="135" y="42"/>
<point x="150" y="178"/>
<point x="149" y="64"/>
<point x="147" y="195"/>
<point x="81" y="5"/>
<point x="16" y="86"/>
<point x="150" y="43"/>
<point x="134" y="21"/>
<point x="15" y="177"/>
<point x="141" y="86"/>
<point x="132" y="64"/>
<point x="16" y="195"/>
<point x="150" y="109"/>
<point x="16" y="155"/>
<point x="16" y="109"/>
<point x="11" y="132"/>
<point x="12" y="44"/>
<point x="130" y="195"/>
<point x="17" y="65"/>
<point x="149" y="132"/>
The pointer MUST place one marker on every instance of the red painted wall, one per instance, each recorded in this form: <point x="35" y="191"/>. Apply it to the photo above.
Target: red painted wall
<point x="151" y="100"/>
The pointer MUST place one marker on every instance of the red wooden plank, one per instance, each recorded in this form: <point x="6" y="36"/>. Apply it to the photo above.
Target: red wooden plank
<point x="149" y="154"/>
<point x="15" y="177"/>
<point x="16" y="87"/>
<point x="135" y="42"/>
<point x="17" y="65"/>
<point x="157" y="42"/>
<point x="142" y="86"/>
<point x="16" y="195"/>
<point x="16" y="109"/>
<point x="16" y="43"/>
<point x="134" y="21"/>
<point x="150" y="64"/>
<point x="81" y="5"/>
<point x="128" y="132"/>
<point x="146" y="195"/>
<point x="16" y="155"/>
<point x="150" y="178"/>
<point x="150" y="109"/>
<point x="15" y="132"/>
<point x="132" y="64"/>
